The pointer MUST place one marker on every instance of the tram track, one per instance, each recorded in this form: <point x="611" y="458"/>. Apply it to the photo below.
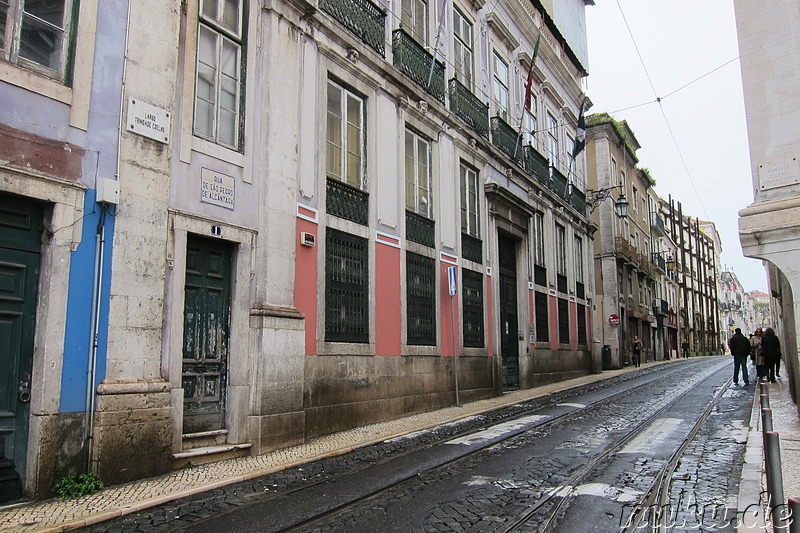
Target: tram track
<point x="649" y="508"/>
<point x="314" y="499"/>
<point x="555" y="500"/>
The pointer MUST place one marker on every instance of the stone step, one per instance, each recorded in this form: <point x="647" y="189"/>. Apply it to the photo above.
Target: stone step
<point x="204" y="439"/>
<point x="209" y="454"/>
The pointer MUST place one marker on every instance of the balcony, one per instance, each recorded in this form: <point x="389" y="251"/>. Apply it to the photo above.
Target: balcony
<point x="420" y="229"/>
<point x="660" y="307"/>
<point x="625" y="250"/>
<point x="469" y="108"/>
<point x="536" y="164"/>
<point x="363" y="18"/>
<point x="560" y="184"/>
<point x="418" y="64"/>
<point x="507" y="139"/>
<point x="577" y="199"/>
<point x="347" y="202"/>
<point x="660" y="262"/>
<point x="657" y="223"/>
<point x="471" y="248"/>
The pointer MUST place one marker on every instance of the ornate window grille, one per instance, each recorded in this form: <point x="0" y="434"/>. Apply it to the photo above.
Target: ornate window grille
<point x="563" y="321"/>
<point x="542" y="320"/>
<point x="346" y="288"/>
<point x="581" y="324"/>
<point x="472" y="283"/>
<point x="420" y="299"/>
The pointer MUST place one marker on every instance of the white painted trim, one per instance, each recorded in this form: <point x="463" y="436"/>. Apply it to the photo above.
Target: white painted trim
<point x="449" y="259"/>
<point x="381" y="238"/>
<point x="315" y="220"/>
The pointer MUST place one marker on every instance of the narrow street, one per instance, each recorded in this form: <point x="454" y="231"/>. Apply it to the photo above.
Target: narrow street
<point x="662" y="445"/>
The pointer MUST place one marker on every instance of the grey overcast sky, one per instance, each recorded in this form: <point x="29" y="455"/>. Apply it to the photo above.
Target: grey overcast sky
<point x="695" y="140"/>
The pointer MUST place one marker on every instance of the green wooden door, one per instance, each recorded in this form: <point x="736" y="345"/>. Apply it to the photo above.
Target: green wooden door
<point x="509" y="343"/>
<point x="20" y="242"/>
<point x="206" y="325"/>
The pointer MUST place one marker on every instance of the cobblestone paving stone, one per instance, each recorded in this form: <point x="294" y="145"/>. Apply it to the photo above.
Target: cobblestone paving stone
<point x="485" y="504"/>
<point x="703" y="488"/>
<point x="194" y="508"/>
<point x="267" y="474"/>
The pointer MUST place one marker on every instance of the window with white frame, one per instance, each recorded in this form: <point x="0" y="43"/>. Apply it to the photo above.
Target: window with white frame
<point x="538" y="236"/>
<point x="218" y="86"/>
<point x="552" y="139"/>
<point x="414" y="17"/>
<point x="500" y="85"/>
<point x="418" y="174"/>
<point x="345" y="136"/>
<point x="578" y="259"/>
<point x="561" y="250"/>
<point x="463" y="56"/>
<point x="34" y="34"/>
<point x="529" y="124"/>
<point x="470" y="209"/>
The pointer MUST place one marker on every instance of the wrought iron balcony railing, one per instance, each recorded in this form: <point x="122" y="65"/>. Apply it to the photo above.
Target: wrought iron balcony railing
<point x="536" y="164"/>
<point x="560" y="183"/>
<point x="658" y="224"/>
<point x="420" y="229"/>
<point x="366" y="20"/>
<point x="660" y="307"/>
<point x="347" y="202"/>
<point x="471" y="248"/>
<point x="469" y="107"/>
<point x="577" y="198"/>
<point x="624" y="249"/>
<point x="660" y="262"/>
<point x="506" y="139"/>
<point x="418" y="64"/>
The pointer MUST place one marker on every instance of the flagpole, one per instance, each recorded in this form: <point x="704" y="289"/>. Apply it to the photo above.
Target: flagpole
<point x="436" y="43"/>
<point x="528" y="83"/>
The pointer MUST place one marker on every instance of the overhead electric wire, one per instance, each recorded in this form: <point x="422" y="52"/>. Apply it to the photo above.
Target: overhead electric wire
<point x="659" y="100"/>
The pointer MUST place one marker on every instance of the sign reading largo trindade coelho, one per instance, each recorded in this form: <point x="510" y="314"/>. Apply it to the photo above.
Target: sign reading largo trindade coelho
<point x="216" y="188"/>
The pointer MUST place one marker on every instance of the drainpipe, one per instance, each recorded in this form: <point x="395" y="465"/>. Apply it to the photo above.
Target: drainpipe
<point x="97" y="286"/>
<point x="91" y="371"/>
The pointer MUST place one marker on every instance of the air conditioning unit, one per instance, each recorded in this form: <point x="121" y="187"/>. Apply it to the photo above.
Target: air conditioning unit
<point x="308" y="239"/>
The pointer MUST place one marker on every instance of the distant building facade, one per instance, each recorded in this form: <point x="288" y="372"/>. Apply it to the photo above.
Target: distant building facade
<point x="627" y="278"/>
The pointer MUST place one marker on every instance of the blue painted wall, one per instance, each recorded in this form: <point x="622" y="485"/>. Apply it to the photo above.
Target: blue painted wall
<point x="77" y="342"/>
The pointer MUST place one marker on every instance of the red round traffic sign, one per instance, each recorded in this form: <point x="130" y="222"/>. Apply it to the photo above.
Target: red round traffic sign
<point x="613" y="320"/>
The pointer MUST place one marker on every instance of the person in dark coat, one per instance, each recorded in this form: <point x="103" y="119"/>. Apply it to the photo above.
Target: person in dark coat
<point x="740" y="349"/>
<point x="637" y="351"/>
<point x="771" y="350"/>
<point x="685" y="348"/>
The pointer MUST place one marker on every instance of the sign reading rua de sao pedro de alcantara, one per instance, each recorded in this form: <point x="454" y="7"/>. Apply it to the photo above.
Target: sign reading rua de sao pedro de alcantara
<point x="217" y="188"/>
<point x="148" y="120"/>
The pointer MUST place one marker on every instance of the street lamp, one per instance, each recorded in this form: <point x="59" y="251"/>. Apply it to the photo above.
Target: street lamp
<point x="595" y="197"/>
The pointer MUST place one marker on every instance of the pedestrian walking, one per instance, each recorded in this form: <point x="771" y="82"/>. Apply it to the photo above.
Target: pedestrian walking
<point x="740" y="350"/>
<point x="771" y="352"/>
<point x="755" y="352"/>
<point x="685" y="348"/>
<point x="637" y="351"/>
